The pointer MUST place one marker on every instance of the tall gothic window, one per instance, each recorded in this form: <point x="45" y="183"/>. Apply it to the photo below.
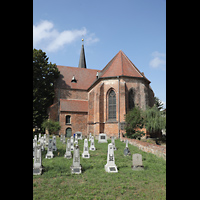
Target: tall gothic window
<point x="112" y="105"/>
<point x="131" y="98"/>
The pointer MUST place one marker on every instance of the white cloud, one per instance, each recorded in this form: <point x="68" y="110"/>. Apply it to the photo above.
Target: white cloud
<point x="45" y="36"/>
<point x="159" y="60"/>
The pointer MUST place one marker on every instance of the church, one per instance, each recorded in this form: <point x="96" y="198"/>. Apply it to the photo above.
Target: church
<point x="95" y="101"/>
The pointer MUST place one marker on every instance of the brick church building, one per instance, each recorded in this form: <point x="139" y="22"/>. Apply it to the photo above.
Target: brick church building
<point x="95" y="101"/>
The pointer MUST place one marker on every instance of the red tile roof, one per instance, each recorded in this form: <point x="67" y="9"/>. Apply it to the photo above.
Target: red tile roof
<point x="121" y="65"/>
<point x="73" y="105"/>
<point x="85" y="77"/>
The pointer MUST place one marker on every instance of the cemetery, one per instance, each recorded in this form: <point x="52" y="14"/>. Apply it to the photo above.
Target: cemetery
<point x="141" y="175"/>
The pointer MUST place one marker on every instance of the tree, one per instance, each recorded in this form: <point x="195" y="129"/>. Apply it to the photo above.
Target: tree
<point x="158" y="103"/>
<point x="44" y="76"/>
<point x="52" y="126"/>
<point x="134" y="122"/>
<point x="155" y="120"/>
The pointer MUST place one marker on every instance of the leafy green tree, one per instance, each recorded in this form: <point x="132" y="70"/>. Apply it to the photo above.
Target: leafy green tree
<point x="134" y="122"/>
<point x="158" y="103"/>
<point x="155" y="120"/>
<point x="52" y="126"/>
<point x="44" y="76"/>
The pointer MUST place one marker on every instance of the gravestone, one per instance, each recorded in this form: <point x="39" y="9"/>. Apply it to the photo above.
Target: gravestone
<point x="85" y="153"/>
<point x="79" y="135"/>
<point x="39" y="137"/>
<point x="47" y="140"/>
<point x="110" y="166"/>
<point x="63" y="140"/>
<point x="126" y="150"/>
<point x="34" y="147"/>
<point x="113" y="142"/>
<point x="61" y="137"/>
<point x="137" y="162"/>
<point x="44" y="140"/>
<point x="102" y="138"/>
<point x="72" y="143"/>
<point x="68" y="153"/>
<point x="76" y="140"/>
<point x="90" y="136"/>
<point x="92" y="147"/>
<point x="42" y="143"/>
<point x="35" y="137"/>
<point x="49" y="154"/>
<point x="54" y="143"/>
<point x="37" y="165"/>
<point x="76" y="167"/>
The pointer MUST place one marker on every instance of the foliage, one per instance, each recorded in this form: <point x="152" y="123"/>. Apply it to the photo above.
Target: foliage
<point x="44" y="75"/>
<point x="155" y="120"/>
<point x="134" y="122"/>
<point x="57" y="182"/>
<point x="158" y="103"/>
<point x="52" y="126"/>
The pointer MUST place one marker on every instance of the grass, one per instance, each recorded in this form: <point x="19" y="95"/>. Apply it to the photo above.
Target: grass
<point x="57" y="182"/>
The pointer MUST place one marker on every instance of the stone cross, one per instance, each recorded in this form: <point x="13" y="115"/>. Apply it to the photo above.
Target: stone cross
<point x="72" y="143"/>
<point x="68" y="153"/>
<point x="137" y="162"/>
<point x="102" y="138"/>
<point x="37" y="165"/>
<point x="85" y="153"/>
<point x="54" y="143"/>
<point x="76" y="167"/>
<point x="49" y="154"/>
<point x="92" y="147"/>
<point x="110" y="165"/>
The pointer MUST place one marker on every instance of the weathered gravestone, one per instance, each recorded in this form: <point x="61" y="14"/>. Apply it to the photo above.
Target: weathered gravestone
<point x="35" y="137"/>
<point x="54" y="143"/>
<point x="34" y="147"/>
<point x="102" y="138"/>
<point x="61" y="137"/>
<point x="42" y="143"/>
<point x="85" y="153"/>
<point x="110" y="166"/>
<point x="49" y="154"/>
<point x="92" y="147"/>
<point x="113" y="142"/>
<point x="76" y="167"/>
<point x="47" y="140"/>
<point x="37" y="165"/>
<point x="79" y="135"/>
<point x="90" y="137"/>
<point x="72" y="143"/>
<point x="76" y="140"/>
<point x="68" y="153"/>
<point x="137" y="162"/>
<point x="126" y="150"/>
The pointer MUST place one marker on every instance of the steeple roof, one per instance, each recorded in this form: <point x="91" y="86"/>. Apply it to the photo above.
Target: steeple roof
<point x="82" y="62"/>
<point x="121" y="65"/>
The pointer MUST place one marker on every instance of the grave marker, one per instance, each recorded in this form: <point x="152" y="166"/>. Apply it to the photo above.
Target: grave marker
<point x="54" y="143"/>
<point x="37" y="165"/>
<point x="85" y="153"/>
<point x="126" y="150"/>
<point x="102" y="138"/>
<point x="72" y="143"/>
<point x="137" y="162"/>
<point x="92" y="147"/>
<point x="68" y="153"/>
<point x="110" y="165"/>
<point x="76" y="167"/>
<point x="49" y="154"/>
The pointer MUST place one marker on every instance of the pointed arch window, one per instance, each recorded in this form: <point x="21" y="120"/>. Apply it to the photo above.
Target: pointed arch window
<point x="112" y="105"/>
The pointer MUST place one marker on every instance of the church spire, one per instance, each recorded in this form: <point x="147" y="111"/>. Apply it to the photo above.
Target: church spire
<point x="82" y="62"/>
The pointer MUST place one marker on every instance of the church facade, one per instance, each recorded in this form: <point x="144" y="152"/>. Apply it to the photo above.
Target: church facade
<point x="95" y="101"/>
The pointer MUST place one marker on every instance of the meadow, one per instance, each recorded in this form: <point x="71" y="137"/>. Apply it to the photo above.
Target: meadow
<point x="57" y="182"/>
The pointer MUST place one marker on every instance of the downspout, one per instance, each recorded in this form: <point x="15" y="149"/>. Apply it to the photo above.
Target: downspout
<point x="118" y="108"/>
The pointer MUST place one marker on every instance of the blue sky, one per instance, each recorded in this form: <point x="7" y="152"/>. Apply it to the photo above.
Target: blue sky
<point x="137" y="27"/>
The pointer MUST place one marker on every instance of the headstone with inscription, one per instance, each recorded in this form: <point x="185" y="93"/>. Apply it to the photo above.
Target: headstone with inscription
<point x="102" y="138"/>
<point x="37" y="165"/>
<point x="72" y="143"/>
<point x="110" y="165"/>
<point x="68" y="153"/>
<point x="126" y="150"/>
<point x="76" y="166"/>
<point x="137" y="162"/>
<point x="79" y="135"/>
<point x="54" y="143"/>
<point x="49" y="154"/>
<point x="92" y="147"/>
<point x="85" y="153"/>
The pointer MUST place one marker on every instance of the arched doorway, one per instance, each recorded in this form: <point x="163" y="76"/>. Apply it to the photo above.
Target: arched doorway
<point x="68" y="132"/>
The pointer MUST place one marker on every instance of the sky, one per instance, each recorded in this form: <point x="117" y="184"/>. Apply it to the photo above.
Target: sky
<point x="137" y="27"/>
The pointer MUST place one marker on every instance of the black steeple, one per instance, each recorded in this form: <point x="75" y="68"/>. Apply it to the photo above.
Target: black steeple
<point x="82" y="62"/>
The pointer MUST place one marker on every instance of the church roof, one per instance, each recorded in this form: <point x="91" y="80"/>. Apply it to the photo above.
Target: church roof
<point x="84" y="77"/>
<point x="121" y="65"/>
<point x="73" y="105"/>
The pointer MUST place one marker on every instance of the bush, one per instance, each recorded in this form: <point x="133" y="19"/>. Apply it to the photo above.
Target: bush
<point x="52" y="126"/>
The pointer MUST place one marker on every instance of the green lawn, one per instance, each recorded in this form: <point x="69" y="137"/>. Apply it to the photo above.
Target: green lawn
<point x="57" y="182"/>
